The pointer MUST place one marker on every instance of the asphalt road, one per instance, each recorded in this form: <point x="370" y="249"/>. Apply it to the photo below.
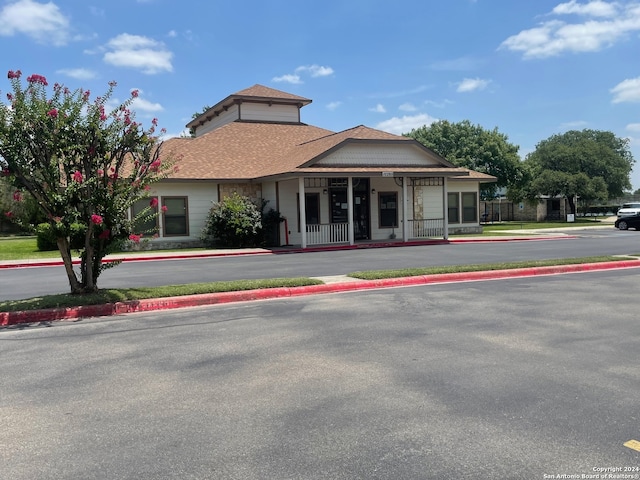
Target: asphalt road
<point x="509" y="379"/>
<point x="30" y="282"/>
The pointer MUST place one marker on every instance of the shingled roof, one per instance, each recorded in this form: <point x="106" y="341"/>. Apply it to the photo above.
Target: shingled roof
<point x="251" y="150"/>
<point x="256" y="94"/>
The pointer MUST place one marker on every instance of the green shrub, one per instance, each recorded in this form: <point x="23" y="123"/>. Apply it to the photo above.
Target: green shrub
<point x="46" y="237"/>
<point x="233" y="222"/>
<point x="271" y="220"/>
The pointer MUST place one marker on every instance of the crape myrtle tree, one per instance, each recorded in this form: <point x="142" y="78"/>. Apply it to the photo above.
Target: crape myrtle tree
<point x="591" y="165"/>
<point x="474" y="147"/>
<point x="83" y="163"/>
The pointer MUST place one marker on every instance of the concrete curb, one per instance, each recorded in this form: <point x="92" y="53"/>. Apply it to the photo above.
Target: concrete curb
<point x="47" y="315"/>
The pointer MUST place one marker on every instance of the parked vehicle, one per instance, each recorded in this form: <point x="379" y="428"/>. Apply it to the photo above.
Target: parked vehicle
<point x="624" y="223"/>
<point x="629" y="209"/>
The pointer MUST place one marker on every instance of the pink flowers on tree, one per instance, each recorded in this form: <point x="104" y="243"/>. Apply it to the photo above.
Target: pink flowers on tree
<point x="39" y="79"/>
<point x="135" y="238"/>
<point x="95" y="183"/>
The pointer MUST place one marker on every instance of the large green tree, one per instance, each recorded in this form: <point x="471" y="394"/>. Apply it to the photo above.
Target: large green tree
<point x="474" y="147"/>
<point x="586" y="164"/>
<point x="84" y="165"/>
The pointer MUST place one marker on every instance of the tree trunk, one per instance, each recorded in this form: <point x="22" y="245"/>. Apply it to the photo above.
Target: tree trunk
<point x="89" y="276"/>
<point x="65" y="253"/>
<point x="572" y="204"/>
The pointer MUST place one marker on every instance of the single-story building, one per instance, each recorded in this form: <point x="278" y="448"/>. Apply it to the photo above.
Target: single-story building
<point x="332" y="187"/>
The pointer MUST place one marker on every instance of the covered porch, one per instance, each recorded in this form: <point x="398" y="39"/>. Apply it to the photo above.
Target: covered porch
<point x="360" y="209"/>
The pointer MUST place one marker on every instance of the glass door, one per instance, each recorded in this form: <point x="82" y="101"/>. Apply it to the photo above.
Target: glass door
<point x="361" y="209"/>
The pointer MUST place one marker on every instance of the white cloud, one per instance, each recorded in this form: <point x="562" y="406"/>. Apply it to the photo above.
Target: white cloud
<point x="140" y="104"/>
<point x="627" y="91"/>
<point x="407" y="107"/>
<point x="472" y="84"/>
<point x="405" y="123"/>
<point x="633" y="127"/>
<point x="607" y="24"/>
<point x="43" y="22"/>
<point x="379" y="108"/>
<point x="315" y="70"/>
<point x="78" y="73"/>
<point x="595" y="8"/>
<point x="135" y="51"/>
<point x="312" y="70"/>
<point x="289" y="78"/>
<point x="333" y="105"/>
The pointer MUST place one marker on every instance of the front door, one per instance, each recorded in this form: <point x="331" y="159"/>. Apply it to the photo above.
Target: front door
<point x="361" y="209"/>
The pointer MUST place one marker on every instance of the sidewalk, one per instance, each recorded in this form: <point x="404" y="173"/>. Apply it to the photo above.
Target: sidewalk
<point x="332" y="284"/>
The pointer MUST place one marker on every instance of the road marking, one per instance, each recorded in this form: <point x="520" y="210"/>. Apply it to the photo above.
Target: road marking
<point x="633" y="444"/>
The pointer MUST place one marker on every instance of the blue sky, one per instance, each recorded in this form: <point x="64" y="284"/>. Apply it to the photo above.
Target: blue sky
<point x="531" y="69"/>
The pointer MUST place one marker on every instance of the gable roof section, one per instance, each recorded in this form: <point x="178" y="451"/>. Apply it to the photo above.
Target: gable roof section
<point x="236" y="151"/>
<point x="249" y="151"/>
<point x="256" y="94"/>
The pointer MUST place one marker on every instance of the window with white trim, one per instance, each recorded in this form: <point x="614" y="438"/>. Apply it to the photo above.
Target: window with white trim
<point x="469" y="207"/>
<point x="175" y="216"/>
<point x="453" y="207"/>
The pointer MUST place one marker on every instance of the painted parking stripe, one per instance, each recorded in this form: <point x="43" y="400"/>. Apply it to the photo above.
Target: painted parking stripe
<point x="633" y="444"/>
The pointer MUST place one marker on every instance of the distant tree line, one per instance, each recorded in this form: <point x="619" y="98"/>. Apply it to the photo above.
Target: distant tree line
<point x="590" y="165"/>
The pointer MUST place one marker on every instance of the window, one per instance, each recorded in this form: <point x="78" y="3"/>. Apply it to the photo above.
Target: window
<point x="469" y="207"/>
<point x="311" y="208"/>
<point x="453" y="213"/>
<point x="175" y="218"/>
<point x="145" y="222"/>
<point x="388" y="204"/>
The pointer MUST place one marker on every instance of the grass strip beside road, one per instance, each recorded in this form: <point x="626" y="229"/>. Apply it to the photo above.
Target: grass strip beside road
<point x="142" y="293"/>
<point x="114" y="295"/>
<point x="481" y="267"/>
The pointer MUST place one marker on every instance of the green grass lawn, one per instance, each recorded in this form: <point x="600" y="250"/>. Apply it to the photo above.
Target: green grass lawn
<point x="483" y="267"/>
<point x="511" y="228"/>
<point x="21" y="248"/>
<point x="25" y="248"/>
<point x="113" y="295"/>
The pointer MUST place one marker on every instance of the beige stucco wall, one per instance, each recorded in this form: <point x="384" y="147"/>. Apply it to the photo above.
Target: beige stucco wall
<point x="199" y="199"/>
<point x="379" y="155"/>
<point x="454" y="186"/>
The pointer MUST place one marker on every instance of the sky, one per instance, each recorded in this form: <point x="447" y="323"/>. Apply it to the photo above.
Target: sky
<point x="531" y="69"/>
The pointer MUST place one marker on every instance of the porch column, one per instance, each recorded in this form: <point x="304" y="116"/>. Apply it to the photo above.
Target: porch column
<point x="405" y="211"/>
<point x="445" y="213"/>
<point x="303" y="212"/>
<point x="350" y="210"/>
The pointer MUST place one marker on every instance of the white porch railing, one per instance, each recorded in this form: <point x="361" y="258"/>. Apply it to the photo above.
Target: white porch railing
<point x="324" y="233"/>
<point x="426" y="228"/>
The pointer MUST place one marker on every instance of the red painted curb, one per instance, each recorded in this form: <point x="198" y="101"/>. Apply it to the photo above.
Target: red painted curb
<point x="187" y="256"/>
<point x="47" y="315"/>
